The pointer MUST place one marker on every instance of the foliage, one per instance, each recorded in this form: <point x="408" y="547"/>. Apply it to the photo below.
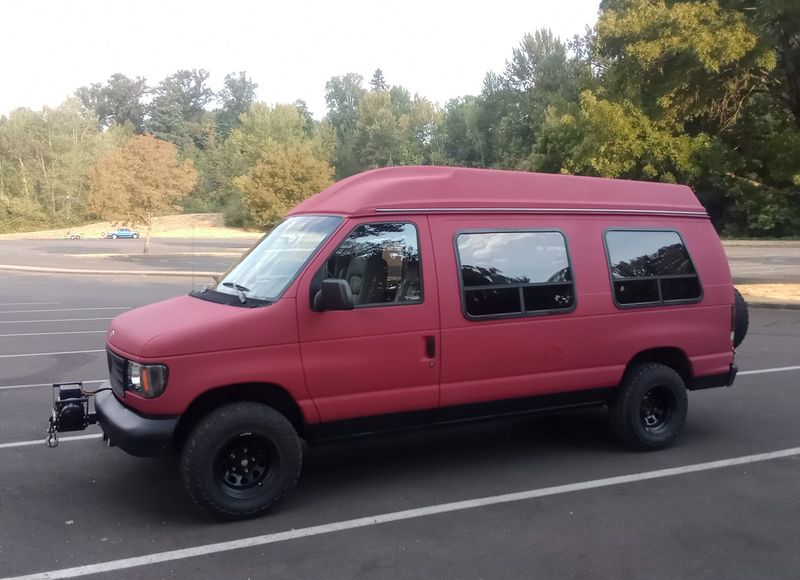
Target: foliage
<point x="44" y="158"/>
<point x="177" y="112"/>
<point x="236" y="97"/>
<point x="286" y="174"/>
<point x="702" y="92"/>
<point x="119" y="101"/>
<point x="139" y="180"/>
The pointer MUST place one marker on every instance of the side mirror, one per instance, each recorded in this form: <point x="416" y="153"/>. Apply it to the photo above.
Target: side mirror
<point x="335" y="295"/>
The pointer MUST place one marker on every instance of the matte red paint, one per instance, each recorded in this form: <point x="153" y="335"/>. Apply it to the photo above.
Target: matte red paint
<point x="373" y="360"/>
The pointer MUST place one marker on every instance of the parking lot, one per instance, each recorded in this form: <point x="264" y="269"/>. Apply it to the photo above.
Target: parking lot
<point x="422" y="504"/>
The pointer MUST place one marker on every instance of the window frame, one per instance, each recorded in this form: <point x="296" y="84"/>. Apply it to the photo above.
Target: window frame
<point x="415" y="225"/>
<point x="524" y="314"/>
<point x="660" y="301"/>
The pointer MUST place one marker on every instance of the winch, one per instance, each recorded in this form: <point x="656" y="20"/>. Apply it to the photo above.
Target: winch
<point x="70" y="410"/>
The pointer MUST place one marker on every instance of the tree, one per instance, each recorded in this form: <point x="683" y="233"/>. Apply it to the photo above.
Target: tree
<point x="379" y="133"/>
<point x="378" y="83"/>
<point x="138" y="181"/>
<point x="721" y="73"/>
<point x="118" y="101"/>
<point x="286" y="175"/>
<point x="343" y="95"/>
<point x="177" y="112"/>
<point x="237" y="96"/>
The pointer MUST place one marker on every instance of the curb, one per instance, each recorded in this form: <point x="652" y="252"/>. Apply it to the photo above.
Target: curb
<point x="43" y="270"/>
<point x="773" y="305"/>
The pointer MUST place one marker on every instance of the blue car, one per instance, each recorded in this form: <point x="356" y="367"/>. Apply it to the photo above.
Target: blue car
<point x="122" y="233"/>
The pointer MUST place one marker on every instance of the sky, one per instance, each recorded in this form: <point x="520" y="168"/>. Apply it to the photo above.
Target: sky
<point x="439" y="49"/>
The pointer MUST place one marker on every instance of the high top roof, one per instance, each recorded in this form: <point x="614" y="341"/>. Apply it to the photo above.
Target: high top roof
<point x="452" y="188"/>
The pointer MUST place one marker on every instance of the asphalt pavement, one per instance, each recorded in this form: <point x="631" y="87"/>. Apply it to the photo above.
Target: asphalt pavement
<point x="751" y="262"/>
<point x="384" y="507"/>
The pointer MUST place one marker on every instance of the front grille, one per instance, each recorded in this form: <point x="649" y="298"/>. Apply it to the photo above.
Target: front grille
<point x="117" y="371"/>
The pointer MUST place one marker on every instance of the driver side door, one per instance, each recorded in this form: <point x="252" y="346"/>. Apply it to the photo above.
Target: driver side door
<point x="380" y="357"/>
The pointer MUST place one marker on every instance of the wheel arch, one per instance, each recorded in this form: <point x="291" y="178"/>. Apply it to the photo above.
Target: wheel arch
<point x="670" y="356"/>
<point x="269" y="394"/>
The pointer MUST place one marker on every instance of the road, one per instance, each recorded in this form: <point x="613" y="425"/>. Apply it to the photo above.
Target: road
<point x="83" y="504"/>
<point x="751" y="262"/>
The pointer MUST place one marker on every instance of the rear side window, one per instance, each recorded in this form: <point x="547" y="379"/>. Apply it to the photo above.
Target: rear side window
<point x="514" y="273"/>
<point x="650" y="267"/>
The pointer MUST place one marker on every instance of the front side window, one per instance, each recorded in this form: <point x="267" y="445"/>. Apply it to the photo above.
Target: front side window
<point x="265" y="272"/>
<point x="381" y="264"/>
<point x="514" y="273"/>
<point x="650" y="267"/>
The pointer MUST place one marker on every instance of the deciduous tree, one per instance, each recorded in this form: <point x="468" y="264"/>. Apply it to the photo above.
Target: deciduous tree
<point x="286" y="175"/>
<point x="140" y="180"/>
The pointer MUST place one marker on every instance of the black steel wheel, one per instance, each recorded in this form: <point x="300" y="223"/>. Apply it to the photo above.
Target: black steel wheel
<point x="650" y="407"/>
<point x="240" y="460"/>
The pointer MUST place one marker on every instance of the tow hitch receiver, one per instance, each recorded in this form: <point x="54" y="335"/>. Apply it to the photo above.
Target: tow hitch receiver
<point x="70" y="411"/>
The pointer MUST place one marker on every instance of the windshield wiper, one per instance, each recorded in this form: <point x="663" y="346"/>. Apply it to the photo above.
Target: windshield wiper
<point x="239" y="289"/>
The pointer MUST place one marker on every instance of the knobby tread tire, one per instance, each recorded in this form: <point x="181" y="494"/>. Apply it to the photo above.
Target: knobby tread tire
<point x="200" y="448"/>
<point x="741" y="318"/>
<point x="624" y="409"/>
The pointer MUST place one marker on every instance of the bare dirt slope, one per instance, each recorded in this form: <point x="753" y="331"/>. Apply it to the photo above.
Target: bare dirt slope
<point x="199" y="225"/>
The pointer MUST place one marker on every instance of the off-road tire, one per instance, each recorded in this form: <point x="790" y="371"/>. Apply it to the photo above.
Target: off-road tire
<point x="631" y="413"/>
<point x="205" y="463"/>
<point x="741" y="318"/>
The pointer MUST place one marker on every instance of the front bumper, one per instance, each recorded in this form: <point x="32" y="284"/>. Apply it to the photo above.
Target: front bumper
<point x="131" y="432"/>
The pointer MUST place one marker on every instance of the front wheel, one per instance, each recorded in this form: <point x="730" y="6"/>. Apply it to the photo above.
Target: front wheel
<point x="114" y="236"/>
<point x="240" y="460"/>
<point x="135" y="236"/>
<point x="650" y="407"/>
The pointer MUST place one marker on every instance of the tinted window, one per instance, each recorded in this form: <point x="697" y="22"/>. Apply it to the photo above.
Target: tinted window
<point x="506" y="273"/>
<point x="639" y="254"/>
<point x="380" y="262"/>
<point x="650" y="267"/>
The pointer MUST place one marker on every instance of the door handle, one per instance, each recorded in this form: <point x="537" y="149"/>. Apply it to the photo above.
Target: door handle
<point x="430" y="346"/>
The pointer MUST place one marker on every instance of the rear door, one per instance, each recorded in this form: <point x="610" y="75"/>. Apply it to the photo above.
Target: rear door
<point x="382" y="356"/>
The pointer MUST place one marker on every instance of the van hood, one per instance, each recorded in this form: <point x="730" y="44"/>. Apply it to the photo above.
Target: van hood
<point x="184" y="325"/>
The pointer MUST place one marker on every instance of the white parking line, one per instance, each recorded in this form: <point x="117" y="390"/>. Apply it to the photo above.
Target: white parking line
<point x="253" y="541"/>
<point x="42" y="441"/>
<point x="27" y="303"/>
<point x="772" y="370"/>
<point x="54" y="320"/>
<point x="11" y="387"/>
<point x="50" y="353"/>
<point x="66" y="309"/>
<point x="52" y="333"/>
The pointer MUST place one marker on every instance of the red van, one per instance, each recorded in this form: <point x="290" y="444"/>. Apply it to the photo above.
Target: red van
<point x="419" y="295"/>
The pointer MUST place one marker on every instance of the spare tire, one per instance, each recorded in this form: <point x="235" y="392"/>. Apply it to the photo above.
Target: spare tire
<point x="741" y="318"/>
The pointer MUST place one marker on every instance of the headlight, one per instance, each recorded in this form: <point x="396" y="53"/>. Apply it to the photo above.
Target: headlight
<point x="148" y="381"/>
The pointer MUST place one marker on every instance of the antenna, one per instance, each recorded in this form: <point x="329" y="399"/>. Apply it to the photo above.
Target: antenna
<point x="193" y="218"/>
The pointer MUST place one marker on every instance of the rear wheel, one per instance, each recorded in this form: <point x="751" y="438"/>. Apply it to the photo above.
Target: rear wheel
<point x="135" y="236"/>
<point x="650" y="408"/>
<point x="114" y="236"/>
<point x="240" y="460"/>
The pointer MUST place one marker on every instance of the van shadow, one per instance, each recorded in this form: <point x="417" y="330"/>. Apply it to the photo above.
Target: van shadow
<point x="336" y="472"/>
<point x="487" y="450"/>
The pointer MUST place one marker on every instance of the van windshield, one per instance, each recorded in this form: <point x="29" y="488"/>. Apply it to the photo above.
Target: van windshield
<point x="268" y="268"/>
